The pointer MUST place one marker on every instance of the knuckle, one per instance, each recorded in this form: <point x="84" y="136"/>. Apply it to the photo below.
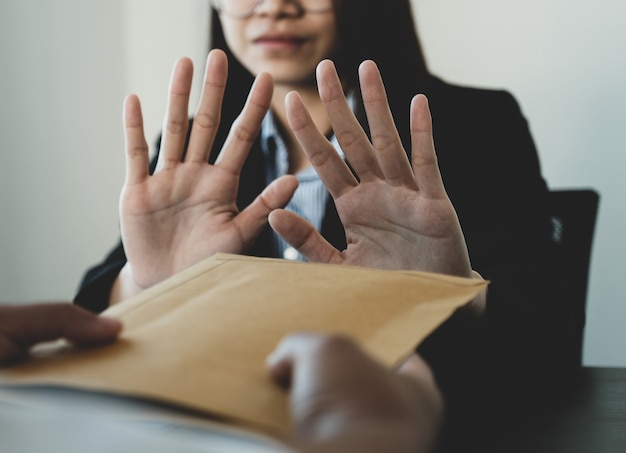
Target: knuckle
<point x="137" y="150"/>
<point x="423" y="161"/>
<point x="318" y="158"/>
<point x="383" y="142"/>
<point x="205" y="120"/>
<point x="244" y="134"/>
<point x="177" y="126"/>
<point x="333" y="343"/>
<point x="347" y="138"/>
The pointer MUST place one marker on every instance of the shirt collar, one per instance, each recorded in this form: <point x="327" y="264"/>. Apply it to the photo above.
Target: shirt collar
<point x="270" y="135"/>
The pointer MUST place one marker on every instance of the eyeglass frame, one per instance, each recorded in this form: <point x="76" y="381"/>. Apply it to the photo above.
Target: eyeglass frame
<point x="257" y="3"/>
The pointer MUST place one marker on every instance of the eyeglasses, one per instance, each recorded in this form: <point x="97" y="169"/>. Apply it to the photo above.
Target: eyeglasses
<point x="242" y="9"/>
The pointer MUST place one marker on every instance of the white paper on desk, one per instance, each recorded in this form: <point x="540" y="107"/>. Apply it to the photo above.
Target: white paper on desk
<point x="71" y="420"/>
<point x="200" y="339"/>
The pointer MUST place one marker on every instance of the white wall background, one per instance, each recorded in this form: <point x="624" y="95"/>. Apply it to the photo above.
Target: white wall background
<point x="62" y="80"/>
<point x="67" y="65"/>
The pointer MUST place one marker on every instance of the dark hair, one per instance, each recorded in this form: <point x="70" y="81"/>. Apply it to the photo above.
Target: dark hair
<point x="382" y="31"/>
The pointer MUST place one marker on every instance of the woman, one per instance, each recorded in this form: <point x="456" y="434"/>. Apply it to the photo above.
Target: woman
<point x="486" y="157"/>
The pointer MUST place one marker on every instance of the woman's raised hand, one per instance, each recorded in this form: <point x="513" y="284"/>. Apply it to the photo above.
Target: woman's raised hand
<point x="186" y="211"/>
<point x="397" y="214"/>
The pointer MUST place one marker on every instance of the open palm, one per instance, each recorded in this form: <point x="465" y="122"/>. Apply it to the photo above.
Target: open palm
<point x="186" y="211"/>
<point x="397" y="214"/>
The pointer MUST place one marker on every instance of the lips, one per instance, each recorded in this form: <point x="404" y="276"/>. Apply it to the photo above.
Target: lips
<point x="280" y="40"/>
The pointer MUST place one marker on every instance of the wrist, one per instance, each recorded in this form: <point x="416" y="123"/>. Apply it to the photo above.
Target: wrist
<point x="124" y="286"/>
<point x="478" y="305"/>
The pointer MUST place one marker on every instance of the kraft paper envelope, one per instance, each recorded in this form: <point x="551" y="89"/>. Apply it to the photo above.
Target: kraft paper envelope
<point x="200" y="339"/>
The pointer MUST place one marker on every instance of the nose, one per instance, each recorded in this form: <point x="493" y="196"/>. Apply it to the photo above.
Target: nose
<point x="278" y="8"/>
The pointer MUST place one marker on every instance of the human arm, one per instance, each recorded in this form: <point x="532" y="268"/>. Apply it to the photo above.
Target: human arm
<point x="186" y="211"/>
<point x="343" y="400"/>
<point x="21" y="327"/>
<point x="493" y="177"/>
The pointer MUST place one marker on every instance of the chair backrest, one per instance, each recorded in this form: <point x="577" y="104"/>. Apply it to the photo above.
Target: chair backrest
<point x="574" y="213"/>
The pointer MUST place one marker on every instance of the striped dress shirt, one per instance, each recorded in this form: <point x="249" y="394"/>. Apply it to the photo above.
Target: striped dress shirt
<point x="310" y="198"/>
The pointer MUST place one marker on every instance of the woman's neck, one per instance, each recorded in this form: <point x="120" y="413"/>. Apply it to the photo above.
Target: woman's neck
<point x="310" y="97"/>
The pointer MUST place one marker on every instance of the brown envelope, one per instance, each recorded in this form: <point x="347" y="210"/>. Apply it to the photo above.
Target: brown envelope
<point x="200" y="338"/>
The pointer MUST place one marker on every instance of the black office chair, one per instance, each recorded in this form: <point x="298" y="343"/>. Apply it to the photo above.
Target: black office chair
<point x="574" y="213"/>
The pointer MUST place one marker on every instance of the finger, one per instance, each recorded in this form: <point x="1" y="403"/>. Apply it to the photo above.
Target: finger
<point x="42" y="322"/>
<point x="303" y="236"/>
<point x="423" y="156"/>
<point x="414" y="366"/>
<point x="350" y="135"/>
<point x="177" y="114"/>
<point x="330" y="167"/>
<point x="24" y="326"/>
<point x="306" y="355"/>
<point x="385" y="139"/>
<point x="420" y="377"/>
<point x="253" y="218"/>
<point x="246" y="127"/>
<point x="280" y="362"/>
<point x="137" y="152"/>
<point x="207" y="117"/>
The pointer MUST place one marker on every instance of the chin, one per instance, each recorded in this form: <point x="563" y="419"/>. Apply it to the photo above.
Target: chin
<point x="293" y="77"/>
<point x="288" y="72"/>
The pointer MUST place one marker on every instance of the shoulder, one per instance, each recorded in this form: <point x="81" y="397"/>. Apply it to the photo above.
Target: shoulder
<point x="447" y="99"/>
<point x="488" y="118"/>
<point x="483" y="130"/>
<point x="442" y="90"/>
